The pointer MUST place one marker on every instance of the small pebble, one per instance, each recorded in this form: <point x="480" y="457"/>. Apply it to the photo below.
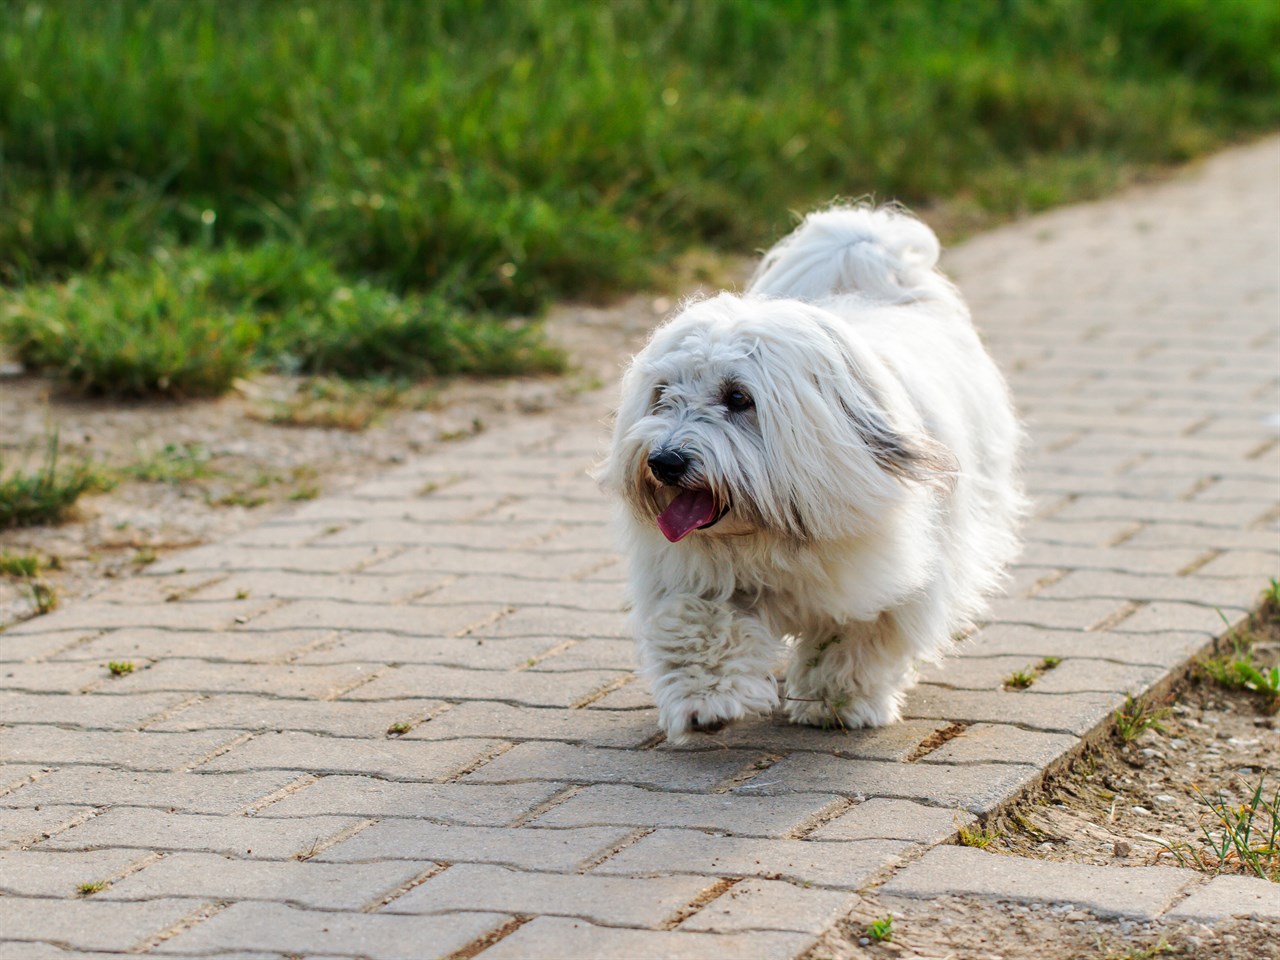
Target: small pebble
<point x="1142" y="810"/>
<point x="1122" y="848"/>
<point x="1164" y="798"/>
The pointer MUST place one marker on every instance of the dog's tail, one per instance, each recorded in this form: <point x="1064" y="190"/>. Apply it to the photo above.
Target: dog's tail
<point x="880" y="252"/>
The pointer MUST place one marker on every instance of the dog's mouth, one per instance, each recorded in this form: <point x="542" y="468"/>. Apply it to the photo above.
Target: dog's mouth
<point x="690" y="510"/>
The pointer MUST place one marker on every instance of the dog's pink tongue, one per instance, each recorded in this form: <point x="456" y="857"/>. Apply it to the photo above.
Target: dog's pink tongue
<point x="690" y="510"/>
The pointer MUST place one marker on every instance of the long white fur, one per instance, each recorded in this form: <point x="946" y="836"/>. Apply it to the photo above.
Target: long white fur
<point x="873" y="491"/>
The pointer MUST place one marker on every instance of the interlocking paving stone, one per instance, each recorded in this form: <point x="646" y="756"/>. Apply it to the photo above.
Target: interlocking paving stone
<point x="147" y="829"/>
<point x="181" y="792"/>
<point x="282" y="680"/>
<point x="308" y="559"/>
<point x="151" y="644"/>
<point x="671" y="770"/>
<point x="1000" y="743"/>
<point x="464" y="652"/>
<point x="1140" y="892"/>
<point x="614" y="901"/>
<point x="1073" y="675"/>
<point x="284" y="929"/>
<point x="1163" y="649"/>
<point x="1224" y="897"/>
<point x="521" y="847"/>
<point x="23" y="826"/>
<point x="742" y="816"/>
<point x="59" y="677"/>
<point x="771" y="905"/>
<point x="555" y="938"/>
<point x="89" y="924"/>
<point x="316" y="886"/>
<point x="91" y="614"/>
<point x="1076" y="714"/>
<point x="84" y="710"/>
<point x="893" y="742"/>
<point x="339" y="718"/>
<point x="883" y="819"/>
<point x="45" y="873"/>
<point x="525" y="687"/>
<point x="473" y="804"/>
<point x="487" y="719"/>
<point x="128" y="749"/>
<point x="978" y="787"/>
<point x="802" y="861"/>
<point x="393" y="759"/>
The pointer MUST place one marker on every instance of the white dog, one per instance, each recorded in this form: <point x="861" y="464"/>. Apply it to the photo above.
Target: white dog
<point x="825" y="464"/>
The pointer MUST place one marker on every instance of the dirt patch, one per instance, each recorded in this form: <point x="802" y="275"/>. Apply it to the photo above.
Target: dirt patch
<point x="1113" y="805"/>
<point x="955" y="928"/>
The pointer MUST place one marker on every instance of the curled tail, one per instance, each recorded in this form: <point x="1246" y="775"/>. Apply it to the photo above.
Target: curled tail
<point x="880" y="252"/>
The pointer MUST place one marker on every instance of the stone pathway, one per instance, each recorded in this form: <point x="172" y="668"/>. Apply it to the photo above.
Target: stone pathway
<point x="403" y="722"/>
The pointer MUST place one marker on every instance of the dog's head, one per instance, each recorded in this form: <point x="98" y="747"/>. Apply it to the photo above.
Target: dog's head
<point x="744" y="415"/>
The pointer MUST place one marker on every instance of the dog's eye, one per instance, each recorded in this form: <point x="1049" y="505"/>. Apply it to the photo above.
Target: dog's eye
<point x="738" y="400"/>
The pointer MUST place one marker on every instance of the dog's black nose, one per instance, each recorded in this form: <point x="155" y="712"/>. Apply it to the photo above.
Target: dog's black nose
<point x="669" y="465"/>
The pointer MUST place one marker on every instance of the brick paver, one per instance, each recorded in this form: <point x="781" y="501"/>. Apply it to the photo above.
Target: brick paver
<point x="404" y="721"/>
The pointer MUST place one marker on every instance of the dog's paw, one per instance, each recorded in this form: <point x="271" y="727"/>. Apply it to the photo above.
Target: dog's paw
<point x="711" y="712"/>
<point x="847" y="711"/>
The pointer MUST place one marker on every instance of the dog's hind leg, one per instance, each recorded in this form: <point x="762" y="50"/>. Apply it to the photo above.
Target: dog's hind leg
<point x="707" y="663"/>
<point x="852" y="676"/>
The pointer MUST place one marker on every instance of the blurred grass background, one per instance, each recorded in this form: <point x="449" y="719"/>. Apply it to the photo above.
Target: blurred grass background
<point x="374" y="187"/>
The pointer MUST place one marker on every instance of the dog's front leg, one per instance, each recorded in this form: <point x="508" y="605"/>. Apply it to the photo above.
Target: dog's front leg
<point x="853" y="676"/>
<point x="707" y="663"/>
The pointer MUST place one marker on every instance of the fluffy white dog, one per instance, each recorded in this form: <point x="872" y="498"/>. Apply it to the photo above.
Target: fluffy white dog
<point x="824" y="465"/>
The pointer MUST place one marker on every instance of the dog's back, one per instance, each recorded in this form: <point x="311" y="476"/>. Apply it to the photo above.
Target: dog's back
<point x="882" y="253"/>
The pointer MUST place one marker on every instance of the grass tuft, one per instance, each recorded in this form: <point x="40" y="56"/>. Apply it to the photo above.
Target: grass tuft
<point x="881" y="931"/>
<point x="976" y="835"/>
<point x="120" y="668"/>
<point x="46" y="494"/>
<point x="1239" y="667"/>
<point x="1235" y="837"/>
<point x="139" y="333"/>
<point x="1021" y="679"/>
<point x="44" y="597"/>
<point x="173" y="463"/>
<point x="1136" y="717"/>
<point x="20" y="566"/>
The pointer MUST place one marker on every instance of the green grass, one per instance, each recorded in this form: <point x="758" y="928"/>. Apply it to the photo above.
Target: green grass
<point x="881" y="931"/>
<point x="120" y="668"/>
<point x="1236" y="838"/>
<point x="1021" y="679"/>
<point x="393" y="175"/>
<point x="20" y="566"/>
<point x="1239" y="667"/>
<point x="1136" y="717"/>
<point x="187" y="324"/>
<point x="976" y="836"/>
<point x="173" y="463"/>
<point x="44" y="597"/>
<point x="45" y="494"/>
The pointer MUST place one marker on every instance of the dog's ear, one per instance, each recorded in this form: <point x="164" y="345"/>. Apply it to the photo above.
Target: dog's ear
<point x="914" y="457"/>
<point x="869" y="393"/>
